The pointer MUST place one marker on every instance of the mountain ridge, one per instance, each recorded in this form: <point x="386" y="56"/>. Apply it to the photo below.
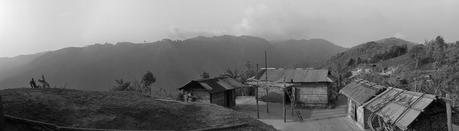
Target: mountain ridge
<point x="173" y="62"/>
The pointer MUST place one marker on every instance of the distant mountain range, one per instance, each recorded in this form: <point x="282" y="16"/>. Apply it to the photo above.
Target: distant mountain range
<point x="173" y="62"/>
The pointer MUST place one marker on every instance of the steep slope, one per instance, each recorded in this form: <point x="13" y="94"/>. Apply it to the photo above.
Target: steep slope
<point x="173" y="62"/>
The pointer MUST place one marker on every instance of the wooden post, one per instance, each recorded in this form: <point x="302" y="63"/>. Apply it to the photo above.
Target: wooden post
<point x="283" y="103"/>
<point x="256" y="98"/>
<point x="448" y="112"/>
<point x="267" y="107"/>
<point x="292" y="100"/>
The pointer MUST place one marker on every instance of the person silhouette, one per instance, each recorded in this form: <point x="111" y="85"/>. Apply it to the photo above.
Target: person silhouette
<point x="32" y="83"/>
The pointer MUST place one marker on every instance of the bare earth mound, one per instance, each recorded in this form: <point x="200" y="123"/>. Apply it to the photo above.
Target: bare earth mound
<point x="118" y="110"/>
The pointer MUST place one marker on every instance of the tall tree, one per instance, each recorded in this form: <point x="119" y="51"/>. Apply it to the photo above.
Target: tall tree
<point x="147" y="80"/>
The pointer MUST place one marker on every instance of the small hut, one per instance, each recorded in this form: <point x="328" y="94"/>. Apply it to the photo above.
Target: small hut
<point x="218" y="90"/>
<point x="358" y="93"/>
<point x="310" y="87"/>
<point x="401" y="110"/>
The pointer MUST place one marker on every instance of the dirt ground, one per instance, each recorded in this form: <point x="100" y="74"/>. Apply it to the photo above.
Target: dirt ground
<point x="314" y="119"/>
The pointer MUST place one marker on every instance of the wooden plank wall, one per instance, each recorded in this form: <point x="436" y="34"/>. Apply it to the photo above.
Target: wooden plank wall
<point x="203" y="95"/>
<point x="312" y="95"/>
<point x="219" y="98"/>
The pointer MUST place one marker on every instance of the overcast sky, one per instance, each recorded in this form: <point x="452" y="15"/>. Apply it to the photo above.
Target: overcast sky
<point x="31" y="26"/>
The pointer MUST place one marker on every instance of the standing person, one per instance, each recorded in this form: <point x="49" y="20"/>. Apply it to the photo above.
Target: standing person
<point x="32" y="83"/>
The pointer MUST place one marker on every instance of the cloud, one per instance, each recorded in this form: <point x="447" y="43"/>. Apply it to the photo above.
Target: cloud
<point x="399" y="35"/>
<point x="184" y="33"/>
<point x="272" y="22"/>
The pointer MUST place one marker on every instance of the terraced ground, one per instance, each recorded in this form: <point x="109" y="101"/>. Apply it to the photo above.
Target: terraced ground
<point x="119" y="110"/>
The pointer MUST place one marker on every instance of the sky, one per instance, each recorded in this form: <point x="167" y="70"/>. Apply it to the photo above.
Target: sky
<point x="32" y="26"/>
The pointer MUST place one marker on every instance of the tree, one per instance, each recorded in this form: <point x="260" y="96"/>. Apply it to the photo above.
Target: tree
<point x="121" y="85"/>
<point x="418" y="53"/>
<point x="142" y="86"/>
<point x="147" y="80"/>
<point x="350" y="62"/>
<point x="249" y="72"/>
<point x="436" y="49"/>
<point x="205" y="75"/>
<point x="232" y="73"/>
<point x="439" y="51"/>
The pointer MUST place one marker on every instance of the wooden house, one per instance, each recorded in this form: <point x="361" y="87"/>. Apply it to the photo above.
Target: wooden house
<point x="309" y="87"/>
<point x="218" y="90"/>
<point x="401" y="110"/>
<point x="358" y="93"/>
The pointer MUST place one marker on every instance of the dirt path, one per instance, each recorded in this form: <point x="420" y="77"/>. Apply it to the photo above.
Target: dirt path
<point x="315" y="119"/>
<point x="331" y="124"/>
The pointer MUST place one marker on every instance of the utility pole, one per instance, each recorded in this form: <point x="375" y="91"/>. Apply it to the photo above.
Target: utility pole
<point x="256" y="97"/>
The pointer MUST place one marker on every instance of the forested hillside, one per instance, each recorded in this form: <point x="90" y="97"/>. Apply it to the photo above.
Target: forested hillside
<point x="430" y="67"/>
<point x="173" y="62"/>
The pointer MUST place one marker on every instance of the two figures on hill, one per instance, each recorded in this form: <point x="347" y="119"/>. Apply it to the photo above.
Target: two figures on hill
<point x="43" y="82"/>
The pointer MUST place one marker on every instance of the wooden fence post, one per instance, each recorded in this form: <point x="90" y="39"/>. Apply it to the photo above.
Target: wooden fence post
<point x="256" y="98"/>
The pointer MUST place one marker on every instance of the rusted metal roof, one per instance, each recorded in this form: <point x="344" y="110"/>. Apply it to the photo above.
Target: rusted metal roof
<point x="361" y="91"/>
<point x="294" y="75"/>
<point x="216" y="84"/>
<point x="399" y="107"/>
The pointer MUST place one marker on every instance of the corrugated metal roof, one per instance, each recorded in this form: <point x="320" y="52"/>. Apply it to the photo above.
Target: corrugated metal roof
<point x="399" y="107"/>
<point x="295" y="75"/>
<point x="216" y="84"/>
<point x="361" y="91"/>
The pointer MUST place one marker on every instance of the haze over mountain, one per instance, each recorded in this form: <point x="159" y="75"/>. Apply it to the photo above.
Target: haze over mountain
<point x="173" y="62"/>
